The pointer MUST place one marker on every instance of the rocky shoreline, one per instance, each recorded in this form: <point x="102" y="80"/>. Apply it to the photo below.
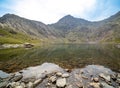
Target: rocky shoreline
<point x="49" y="75"/>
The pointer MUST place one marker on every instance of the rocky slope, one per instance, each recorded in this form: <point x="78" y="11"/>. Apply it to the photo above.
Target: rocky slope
<point x="67" y="29"/>
<point x="29" y="27"/>
<point x="80" y="30"/>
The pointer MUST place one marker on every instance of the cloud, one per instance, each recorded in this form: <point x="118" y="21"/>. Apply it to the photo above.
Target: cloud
<point x="49" y="11"/>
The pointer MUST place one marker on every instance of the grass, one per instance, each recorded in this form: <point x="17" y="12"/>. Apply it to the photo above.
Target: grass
<point x="9" y="36"/>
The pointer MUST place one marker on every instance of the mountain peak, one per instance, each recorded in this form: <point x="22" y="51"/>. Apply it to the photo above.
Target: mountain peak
<point x="68" y="16"/>
<point x="9" y="15"/>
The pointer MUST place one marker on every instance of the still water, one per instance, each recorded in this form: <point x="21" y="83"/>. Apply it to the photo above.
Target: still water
<point x="65" y="55"/>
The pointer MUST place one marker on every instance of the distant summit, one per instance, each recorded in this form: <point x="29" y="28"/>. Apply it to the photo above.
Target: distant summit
<point x="69" y="22"/>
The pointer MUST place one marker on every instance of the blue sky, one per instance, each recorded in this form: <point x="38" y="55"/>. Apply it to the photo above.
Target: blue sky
<point x="50" y="11"/>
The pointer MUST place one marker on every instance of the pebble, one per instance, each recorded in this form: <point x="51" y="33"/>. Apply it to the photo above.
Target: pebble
<point x="52" y="79"/>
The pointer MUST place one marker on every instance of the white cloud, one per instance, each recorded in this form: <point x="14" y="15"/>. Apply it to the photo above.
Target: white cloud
<point x="49" y="11"/>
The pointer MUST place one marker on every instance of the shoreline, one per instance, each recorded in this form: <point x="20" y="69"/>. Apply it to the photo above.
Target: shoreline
<point x="49" y="75"/>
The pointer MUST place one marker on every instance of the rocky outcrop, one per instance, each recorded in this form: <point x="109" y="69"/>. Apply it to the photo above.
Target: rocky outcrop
<point x="92" y="76"/>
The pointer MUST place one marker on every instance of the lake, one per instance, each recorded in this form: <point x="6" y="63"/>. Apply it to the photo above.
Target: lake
<point x="66" y="55"/>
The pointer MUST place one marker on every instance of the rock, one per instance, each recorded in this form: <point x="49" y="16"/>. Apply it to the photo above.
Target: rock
<point x="106" y="77"/>
<point x="69" y="86"/>
<point x="19" y="87"/>
<point x="14" y="85"/>
<point x="118" y="75"/>
<point x="30" y="85"/>
<point x="95" y="85"/>
<point x="23" y="84"/>
<point x="118" y="80"/>
<point x="59" y="74"/>
<point x="84" y="77"/>
<point x="52" y="79"/>
<point x="65" y="75"/>
<point x="27" y="80"/>
<point x="17" y="78"/>
<point x="113" y="77"/>
<point x="96" y="79"/>
<point x="105" y="85"/>
<point x="61" y="82"/>
<point x="79" y="84"/>
<point x="37" y="82"/>
<point x="3" y="84"/>
<point x="67" y="70"/>
<point x="48" y="84"/>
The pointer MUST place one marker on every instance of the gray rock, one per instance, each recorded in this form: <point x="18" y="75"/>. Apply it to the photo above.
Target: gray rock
<point x="19" y="87"/>
<point x="65" y="75"/>
<point x="61" y="82"/>
<point x="52" y="79"/>
<point x="95" y="85"/>
<point x="30" y="85"/>
<point x="23" y="85"/>
<point x="17" y="78"/>
<point x="59" y="74"/>
<point x="37" y="82"/>
<point x="106" y="77"/>
<point x="96" y="79"/>
<point x="105" y="85"/>
<point x="3" y="84"/>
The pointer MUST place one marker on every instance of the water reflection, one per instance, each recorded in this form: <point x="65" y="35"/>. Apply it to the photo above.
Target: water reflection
<point x="69" y="55"/>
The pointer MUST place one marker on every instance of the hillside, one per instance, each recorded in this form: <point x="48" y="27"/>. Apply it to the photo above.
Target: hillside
<point x="15" y="29"/>
<point x="80" y="30"/>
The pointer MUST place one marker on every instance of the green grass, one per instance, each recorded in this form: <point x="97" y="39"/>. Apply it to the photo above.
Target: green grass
<point x="8" y="36"/>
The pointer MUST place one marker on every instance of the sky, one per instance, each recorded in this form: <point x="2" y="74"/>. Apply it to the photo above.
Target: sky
<point x="50" y="11"/>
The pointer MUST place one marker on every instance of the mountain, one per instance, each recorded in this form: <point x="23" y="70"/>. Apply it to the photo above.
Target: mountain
<point x="29" y="27"/>
<point x="69" y="22"/>
<point x="68" y="29"/>
<point x="80" y="30"/>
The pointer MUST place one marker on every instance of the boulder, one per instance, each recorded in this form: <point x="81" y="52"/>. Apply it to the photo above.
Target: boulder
<point x="59" y="74"/>
<point x="105" y="85"/>
<point x="3" y="84"/>
<point x="61" y="82"/>
<point x="37" y="82"/>
<point x="52" y="79"/>
<point x="19" y="87"/>
<point x="96" y="79"/>
<point x="65" y="75"/>
<point x="106" y="77"/>
<point x="30" y="85"/>
<point x="95" y="85"/>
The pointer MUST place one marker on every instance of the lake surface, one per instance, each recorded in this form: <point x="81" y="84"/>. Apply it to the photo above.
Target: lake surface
<point x="65" y="55"/>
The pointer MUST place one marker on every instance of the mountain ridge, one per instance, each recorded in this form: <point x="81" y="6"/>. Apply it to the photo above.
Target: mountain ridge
<point x="67" y="29"/>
